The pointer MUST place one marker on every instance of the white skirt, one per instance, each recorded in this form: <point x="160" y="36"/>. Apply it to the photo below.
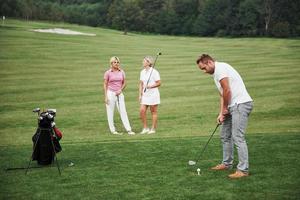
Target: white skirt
<point x="151" y="97"/>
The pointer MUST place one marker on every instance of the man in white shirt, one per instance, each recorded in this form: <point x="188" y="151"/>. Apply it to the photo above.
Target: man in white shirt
<point x="235" y="108"/>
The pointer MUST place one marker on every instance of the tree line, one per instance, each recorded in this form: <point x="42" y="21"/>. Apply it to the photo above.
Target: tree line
<point x="275" y="18"/>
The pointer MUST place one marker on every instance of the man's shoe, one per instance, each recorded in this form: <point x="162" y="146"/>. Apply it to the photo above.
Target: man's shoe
<point x="145" y="130"/>
<point x="221" y="167"/>
<point x="131" y="133"/>
<point x="238" y="174"/>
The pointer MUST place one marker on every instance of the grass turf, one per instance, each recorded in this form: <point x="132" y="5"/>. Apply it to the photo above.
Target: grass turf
<point x="152" y="169"/>
<point x="65" y="72"/>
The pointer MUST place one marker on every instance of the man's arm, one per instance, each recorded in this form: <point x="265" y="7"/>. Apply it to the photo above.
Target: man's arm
<point x="224" y="99"/>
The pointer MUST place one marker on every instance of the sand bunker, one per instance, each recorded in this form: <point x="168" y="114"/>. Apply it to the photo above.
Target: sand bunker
<point x="62" y="31"/>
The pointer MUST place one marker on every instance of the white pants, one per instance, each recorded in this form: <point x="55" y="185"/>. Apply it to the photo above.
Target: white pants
<point x="113" y="100"/>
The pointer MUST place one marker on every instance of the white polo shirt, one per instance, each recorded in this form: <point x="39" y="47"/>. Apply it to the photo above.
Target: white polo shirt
<point x="238" y="90"/>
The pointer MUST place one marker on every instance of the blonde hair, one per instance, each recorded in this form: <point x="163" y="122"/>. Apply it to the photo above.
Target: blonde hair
<point x="113" y="59"/>
<point x="150" y="60"/>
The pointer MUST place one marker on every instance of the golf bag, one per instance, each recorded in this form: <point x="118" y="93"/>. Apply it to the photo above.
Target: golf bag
<point x="46" y="139"/>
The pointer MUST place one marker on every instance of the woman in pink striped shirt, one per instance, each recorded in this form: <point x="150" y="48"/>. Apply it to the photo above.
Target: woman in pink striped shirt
<point x="114" y="84"/>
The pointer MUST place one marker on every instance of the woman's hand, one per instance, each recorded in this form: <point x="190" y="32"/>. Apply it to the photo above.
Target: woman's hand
<point x="106" y="101"/>
<point x="118" y="92"/>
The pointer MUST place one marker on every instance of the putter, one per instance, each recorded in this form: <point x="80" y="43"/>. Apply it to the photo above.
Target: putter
<point x="158" y="54"/>
<point x="192" y="162"/>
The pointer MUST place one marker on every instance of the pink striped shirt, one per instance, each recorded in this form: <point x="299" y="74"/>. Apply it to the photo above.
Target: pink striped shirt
<point x="115" y="79"/>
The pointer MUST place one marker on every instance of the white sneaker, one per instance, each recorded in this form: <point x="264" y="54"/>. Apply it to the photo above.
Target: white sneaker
<point x="145" y="130"/>
<point x="151" y="131"/>
<point x="131" y="133"/>
<point x="116" y="133"/>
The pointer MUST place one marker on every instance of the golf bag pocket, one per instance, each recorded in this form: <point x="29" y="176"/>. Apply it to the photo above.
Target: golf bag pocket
<point x="57" y="133"/>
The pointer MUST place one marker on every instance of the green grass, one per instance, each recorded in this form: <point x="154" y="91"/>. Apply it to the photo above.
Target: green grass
<point x="152" y="169"/>
<point x="66" y="72"/>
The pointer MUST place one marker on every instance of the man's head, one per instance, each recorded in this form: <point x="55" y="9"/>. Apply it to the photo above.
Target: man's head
<point x="206" y="63"/>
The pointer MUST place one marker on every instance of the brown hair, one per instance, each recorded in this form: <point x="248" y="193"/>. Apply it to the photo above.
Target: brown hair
<point x="204" y="58"/>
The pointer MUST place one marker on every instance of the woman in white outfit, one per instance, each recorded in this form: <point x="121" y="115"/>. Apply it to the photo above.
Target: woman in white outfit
<point x="114" y="84"/>
<point x="149" y="94"/>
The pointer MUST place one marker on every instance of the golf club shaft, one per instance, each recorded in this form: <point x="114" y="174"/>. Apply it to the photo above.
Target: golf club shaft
<point x="151" y="71"/>
<point x="17" y="168"/>
<point x="207" y="143"/>
<point x="118" y="100"/>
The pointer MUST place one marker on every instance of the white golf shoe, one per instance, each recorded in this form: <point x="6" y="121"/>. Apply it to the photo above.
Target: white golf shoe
<point x="145" y="130"/>
<point x="116" y="133"/>
<point x="151" y="131"/>
<point x="131" y="133"/>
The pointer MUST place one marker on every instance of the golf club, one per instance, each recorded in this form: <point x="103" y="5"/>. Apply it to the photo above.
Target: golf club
<point x="192" y="162"/>
<point x="37" y="110"/>
<point x="158" y="54"/>
<point x="118" y="101"/>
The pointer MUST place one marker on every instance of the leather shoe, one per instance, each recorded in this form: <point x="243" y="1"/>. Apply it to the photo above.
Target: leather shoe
<point x="221" y="167"/>
<point x="238" y="174"/>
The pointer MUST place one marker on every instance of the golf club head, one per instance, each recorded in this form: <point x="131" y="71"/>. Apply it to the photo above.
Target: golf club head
<point x="191" y="162"/>
<point x="52" y="111"/>
<point x="36" y="110"/>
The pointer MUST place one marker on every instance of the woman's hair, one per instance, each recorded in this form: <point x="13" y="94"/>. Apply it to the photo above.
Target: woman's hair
<point x="150" y="60"/>
<point x="204" y="58"/>
<point x="113" y="59"/>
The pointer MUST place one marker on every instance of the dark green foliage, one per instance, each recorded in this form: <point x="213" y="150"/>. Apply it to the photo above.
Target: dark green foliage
<point x="249" y="15"/>
<point x="286" y="18"/>
<point x="176" y="17"/>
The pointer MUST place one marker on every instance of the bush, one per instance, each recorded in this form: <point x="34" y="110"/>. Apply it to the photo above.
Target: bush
<point x="281" y="29"/>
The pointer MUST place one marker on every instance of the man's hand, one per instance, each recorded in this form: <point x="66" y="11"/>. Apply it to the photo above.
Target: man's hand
<point x="225" y="111"/>
<point x="222" y="116"/>
<point x="220" y="119"/>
